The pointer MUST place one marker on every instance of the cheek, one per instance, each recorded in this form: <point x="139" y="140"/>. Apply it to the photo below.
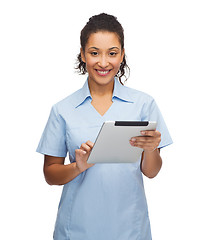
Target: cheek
<point x="90" y="63"/>
<point x="116" y="64"/>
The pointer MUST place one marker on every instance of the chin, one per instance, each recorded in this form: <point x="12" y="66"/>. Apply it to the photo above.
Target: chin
<point x="101" y="80"/>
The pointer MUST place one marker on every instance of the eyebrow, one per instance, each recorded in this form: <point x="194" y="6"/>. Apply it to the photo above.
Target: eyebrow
<point x="109" y="48"/>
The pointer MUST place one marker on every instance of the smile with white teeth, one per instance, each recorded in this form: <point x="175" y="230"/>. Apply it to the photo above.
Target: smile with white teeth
<point x="103" y="72"/>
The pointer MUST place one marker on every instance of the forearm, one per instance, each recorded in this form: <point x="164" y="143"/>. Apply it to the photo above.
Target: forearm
<point x="59" y="174"/>
<point x="151" y="163"/>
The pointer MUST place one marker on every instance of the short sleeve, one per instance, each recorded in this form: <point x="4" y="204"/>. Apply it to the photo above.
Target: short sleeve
<point x="53" y="140"/>
<point x="152" y="113"/>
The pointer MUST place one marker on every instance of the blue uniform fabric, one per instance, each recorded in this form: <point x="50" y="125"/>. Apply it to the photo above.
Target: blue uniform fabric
<point x="107" y="201"/>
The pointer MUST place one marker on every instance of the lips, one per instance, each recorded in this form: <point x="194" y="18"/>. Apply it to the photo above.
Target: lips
<point x="103" y="72"/>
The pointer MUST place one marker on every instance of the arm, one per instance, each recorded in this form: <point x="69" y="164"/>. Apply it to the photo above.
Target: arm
<point x="151" y="163"/>
<point x="151" y="160"/>
<point x="56" y="173"/>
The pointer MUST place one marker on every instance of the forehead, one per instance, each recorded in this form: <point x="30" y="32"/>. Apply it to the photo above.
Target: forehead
<point x="103" y="40"/>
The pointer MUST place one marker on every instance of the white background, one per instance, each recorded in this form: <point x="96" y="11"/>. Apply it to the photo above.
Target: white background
<point x="166" y="46"/>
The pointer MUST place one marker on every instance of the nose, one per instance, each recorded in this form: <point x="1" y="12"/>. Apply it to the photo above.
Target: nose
<point x="103" y="62"/>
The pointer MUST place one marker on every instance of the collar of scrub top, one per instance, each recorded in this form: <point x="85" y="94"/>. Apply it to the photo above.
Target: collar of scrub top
<point x="119" y="92"/>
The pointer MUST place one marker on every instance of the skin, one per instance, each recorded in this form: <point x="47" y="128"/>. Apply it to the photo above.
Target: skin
<point x="151" y="160"/>
<point x="103" y="55"/>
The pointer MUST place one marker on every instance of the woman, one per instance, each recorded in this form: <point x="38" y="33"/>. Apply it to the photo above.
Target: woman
<point x="101" y="201"/>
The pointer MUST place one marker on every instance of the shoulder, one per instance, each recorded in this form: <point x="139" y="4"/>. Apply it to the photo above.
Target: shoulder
<point x="67" y="104"/>
<point x="139" y="96"/>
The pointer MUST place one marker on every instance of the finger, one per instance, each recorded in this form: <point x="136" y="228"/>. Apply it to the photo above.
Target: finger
<point x="85" y="147"/>
<point x="152" y="133"/>
<point x="142" y="140"/>
<point x="148" y="133"/>
<point x="89" y="143"/>
<point x="145" y="145"/>
<point x="145" y="139"/>
<point x="80" y="151"/>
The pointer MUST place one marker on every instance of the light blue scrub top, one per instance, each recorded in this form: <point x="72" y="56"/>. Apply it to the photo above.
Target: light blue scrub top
<point x="107" y="201"/>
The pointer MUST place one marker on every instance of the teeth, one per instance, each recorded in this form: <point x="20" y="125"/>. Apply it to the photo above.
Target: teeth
<point x="103" y="72"/>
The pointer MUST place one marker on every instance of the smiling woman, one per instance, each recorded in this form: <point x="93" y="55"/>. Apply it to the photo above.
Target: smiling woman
<point x="101" y="201"/>
<point x="103" y="23"/>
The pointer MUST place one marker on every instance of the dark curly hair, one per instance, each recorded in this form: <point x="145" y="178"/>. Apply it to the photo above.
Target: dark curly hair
<point x="102" y="22"/>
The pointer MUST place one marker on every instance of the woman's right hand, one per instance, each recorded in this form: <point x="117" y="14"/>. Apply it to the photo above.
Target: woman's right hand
<point x="82" y="154"/>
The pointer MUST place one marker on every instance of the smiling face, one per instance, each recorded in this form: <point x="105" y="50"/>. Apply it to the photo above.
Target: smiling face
<point x="103" y="55"/>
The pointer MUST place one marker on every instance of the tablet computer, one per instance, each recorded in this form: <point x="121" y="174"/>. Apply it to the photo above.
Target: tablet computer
<point x="112" y="143"/>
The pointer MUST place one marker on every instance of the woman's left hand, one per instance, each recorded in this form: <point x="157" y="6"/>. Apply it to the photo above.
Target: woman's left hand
<point x="149" y="140"/>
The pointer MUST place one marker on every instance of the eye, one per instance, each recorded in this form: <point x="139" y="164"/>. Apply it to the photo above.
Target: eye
<point x="94" y="53"/>
<point x="112" y="53"/>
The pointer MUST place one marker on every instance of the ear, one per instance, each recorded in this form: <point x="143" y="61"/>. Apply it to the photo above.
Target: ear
<point x="82" y="55"/>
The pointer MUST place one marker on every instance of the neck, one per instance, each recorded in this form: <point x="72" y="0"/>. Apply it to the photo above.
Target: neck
<point x="101" y="90"/>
